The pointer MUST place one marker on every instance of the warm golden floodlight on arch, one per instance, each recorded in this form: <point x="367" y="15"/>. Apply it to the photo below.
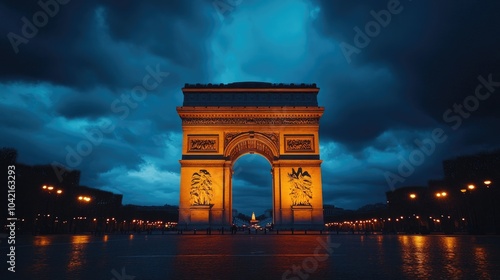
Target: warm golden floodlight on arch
<point x="222" y="122"/>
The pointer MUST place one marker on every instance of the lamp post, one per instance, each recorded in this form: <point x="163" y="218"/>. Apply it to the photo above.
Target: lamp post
<point x="49" y="190"/>
<point x="472" y="208"/>
<point x="467" y="213"/>
<point x="446" y="222"/>
<point x="493" y="210"/>
<point x="476" y="197"/>
<point x="84" y="200"/>
<point x="411" y="214"/>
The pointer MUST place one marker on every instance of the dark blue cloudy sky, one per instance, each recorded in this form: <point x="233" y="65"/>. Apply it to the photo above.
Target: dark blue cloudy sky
<point x="391" y="74"/>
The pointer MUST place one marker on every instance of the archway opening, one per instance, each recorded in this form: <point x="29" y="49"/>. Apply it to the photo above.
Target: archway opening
<point x="252" y="190"/>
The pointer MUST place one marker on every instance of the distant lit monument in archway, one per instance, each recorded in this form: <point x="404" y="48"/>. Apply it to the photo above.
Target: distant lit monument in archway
<point x="253" y="221"/>
<point x="221" y="123"/>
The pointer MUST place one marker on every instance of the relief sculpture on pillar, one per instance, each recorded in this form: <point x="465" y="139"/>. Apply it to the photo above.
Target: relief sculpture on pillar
<point x="299" y="145"/>
<point x="300" y="187"/>
<point x="202" y="145"/>
<point x="201" y="188"/>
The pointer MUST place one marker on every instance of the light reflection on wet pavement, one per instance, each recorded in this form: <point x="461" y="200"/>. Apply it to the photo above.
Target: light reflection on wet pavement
<point x="255" y="257"/>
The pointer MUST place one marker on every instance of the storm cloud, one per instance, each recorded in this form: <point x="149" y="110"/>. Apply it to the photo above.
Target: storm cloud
<point x="422" y="66"/>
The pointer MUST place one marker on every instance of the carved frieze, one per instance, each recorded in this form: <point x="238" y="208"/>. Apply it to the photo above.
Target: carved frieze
<point x="299" y="143"/>
<point x="203" y="143"/>
<point x="251" y="145"/>
<point x="274" y="137"/>
<point x="250" y="121"/>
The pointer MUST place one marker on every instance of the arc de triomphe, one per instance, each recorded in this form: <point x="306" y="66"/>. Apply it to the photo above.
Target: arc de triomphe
<point x="223" y="122"/>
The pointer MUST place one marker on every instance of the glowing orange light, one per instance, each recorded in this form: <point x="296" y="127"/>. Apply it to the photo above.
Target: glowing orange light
<point x="413" y="196"/>
<point x="441" y="194"/>
<point x="463" y="190"/>
<point x="50" y="188"/>
<point x="59" y="191"/>
<point x="471" y="187"/>
<point x="84" y="198"/>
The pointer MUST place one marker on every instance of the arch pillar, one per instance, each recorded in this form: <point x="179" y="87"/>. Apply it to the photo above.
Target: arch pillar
<point x="228" y="196"/>
<point x="276" y="193"/>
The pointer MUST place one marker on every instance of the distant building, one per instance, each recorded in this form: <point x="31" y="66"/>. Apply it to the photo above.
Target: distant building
<point x="47" y="198"/>
<point x="166" y="213"/>
<point x="472" y="168"/>
<point x="49" y="209"/>
<point x="335" y="214"/>
<point x="464" y="200"/>
<point x="101" y="204"/>
<point x="474" y="181"/>
<point x="408" y="209"/>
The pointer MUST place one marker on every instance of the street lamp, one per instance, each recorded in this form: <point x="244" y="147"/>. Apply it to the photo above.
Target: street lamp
<point x="49" y="189"/>
<point x="444" y="207"/>
<point x="487" y="183"/>
<point x="413" y="196"/>
<point x="84" y="198"/>
<point x="441" y="194"/>
<point x="471" y="205"/>
<point x="494" y="209"/>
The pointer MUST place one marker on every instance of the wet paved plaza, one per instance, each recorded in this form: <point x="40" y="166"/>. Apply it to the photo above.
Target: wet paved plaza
<point x="243" y="256"/>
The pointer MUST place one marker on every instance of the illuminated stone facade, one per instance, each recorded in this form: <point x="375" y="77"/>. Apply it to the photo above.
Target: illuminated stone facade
<point x="223" y="122"/>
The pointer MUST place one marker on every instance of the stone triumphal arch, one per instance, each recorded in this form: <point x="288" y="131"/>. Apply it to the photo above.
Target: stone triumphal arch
<point x="223" y="122"/>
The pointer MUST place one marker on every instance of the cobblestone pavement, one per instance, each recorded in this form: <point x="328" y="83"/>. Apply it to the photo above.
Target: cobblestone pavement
<point x="254" y="256"/>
